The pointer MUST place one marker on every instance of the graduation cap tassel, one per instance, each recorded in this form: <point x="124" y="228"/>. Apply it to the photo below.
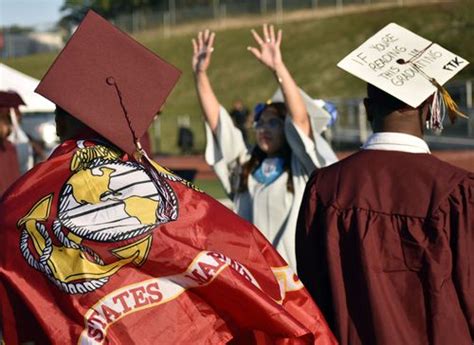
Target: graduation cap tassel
<point x="442" y="104"/>
<point x="139" y="152"/>
<point x="438" y="113"/>
<point x="450" y="104"/>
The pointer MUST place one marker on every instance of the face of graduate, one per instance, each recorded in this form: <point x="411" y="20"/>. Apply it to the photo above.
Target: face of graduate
<point x="270" y="133"/>
<point x="5" y="125"/>
<point x="4" y="111"/>
<point x="5" y="128"/>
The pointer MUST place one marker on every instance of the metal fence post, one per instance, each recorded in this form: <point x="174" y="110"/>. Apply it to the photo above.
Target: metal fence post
<point x="469" y="94"/>
<point x="363" y="133"/>
<point x="279" y="11"/>
<point x="470" y="126"/>
<point x="223" y="14"/>
<point x="157" y="135"/>
<point x="340" y="5"/>
<point x="172" y="11"/>
<point x="135" y="25"/>
<point x="215" y="9"/>
<point x="166" y="25"/>
<point x="10" y="44"/>
<point x="263" y="6"/>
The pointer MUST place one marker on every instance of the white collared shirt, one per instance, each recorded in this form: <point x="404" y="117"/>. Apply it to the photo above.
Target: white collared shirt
<point x="392" y="141"/>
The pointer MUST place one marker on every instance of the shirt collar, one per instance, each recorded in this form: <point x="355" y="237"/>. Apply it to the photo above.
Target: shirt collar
<point x="391" y="141"/>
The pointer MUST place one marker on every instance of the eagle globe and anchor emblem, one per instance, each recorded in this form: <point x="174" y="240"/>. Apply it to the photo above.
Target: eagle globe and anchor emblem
<point x="104" y="202"/>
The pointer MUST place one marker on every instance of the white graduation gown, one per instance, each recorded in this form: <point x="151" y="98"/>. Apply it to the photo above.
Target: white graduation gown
<point x="271" y="208"/>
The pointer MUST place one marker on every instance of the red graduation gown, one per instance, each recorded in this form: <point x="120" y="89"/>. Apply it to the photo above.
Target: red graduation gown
<point x="385" y="245"/>
<point x="96" y="249"/>
<point x="9" y="167"/>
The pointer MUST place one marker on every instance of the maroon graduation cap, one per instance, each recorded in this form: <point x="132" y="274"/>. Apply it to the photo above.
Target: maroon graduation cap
<point x="109" y="81"/>
<point x="10" y="99"/>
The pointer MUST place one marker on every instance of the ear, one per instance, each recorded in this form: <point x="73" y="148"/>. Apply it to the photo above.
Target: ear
<point x="4" y="111"/>
<point x="424" y="113"/>
<point x="425" y="108"/>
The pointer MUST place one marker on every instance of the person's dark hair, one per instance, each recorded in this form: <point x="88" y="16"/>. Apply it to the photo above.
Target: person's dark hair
<point x="280" y="107"/>
<point x="257" y="155"/>
<point x="60" y="112"/>
<point x="67" y="126"/>
<point x="384" y="100"/>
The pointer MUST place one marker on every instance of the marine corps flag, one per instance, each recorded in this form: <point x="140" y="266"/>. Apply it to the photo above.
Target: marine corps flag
<point x="96" y="249"/>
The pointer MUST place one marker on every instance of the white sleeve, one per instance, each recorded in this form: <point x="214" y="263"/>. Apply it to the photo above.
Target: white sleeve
<point x="225" y="149"/>
<point x="311" y="153"/>
<point x="23" y="148"/>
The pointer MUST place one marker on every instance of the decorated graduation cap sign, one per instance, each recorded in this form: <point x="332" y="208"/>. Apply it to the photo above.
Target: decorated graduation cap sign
<point x="406" y="66"/>
<point x="109" y="81"/>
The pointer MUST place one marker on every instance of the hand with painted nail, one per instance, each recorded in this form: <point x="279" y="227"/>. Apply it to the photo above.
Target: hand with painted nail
<point x="268" y="52"/>
<point x="202" y="50"/>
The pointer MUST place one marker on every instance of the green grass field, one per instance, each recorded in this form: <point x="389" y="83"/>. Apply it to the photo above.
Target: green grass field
<point x="211" y="187"/>
<point x="311" y="49"/>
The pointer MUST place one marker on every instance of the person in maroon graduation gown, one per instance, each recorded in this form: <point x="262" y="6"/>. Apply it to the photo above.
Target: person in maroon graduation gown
<point x="9" y="167"/>
<point x="385" y="237"/>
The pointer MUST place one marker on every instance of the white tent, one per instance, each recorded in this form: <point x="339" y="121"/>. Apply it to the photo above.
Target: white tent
<point x="24" y="85"/>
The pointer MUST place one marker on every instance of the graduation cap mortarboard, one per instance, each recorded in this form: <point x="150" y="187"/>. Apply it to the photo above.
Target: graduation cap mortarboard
<point x="406" y="66"/>
<point x="319" y="116"/>
<point x="109" y="81"/>
<point x="10" y="99"/>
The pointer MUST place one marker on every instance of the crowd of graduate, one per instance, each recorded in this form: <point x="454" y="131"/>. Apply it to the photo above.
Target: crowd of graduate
<point x="102" y="245"/>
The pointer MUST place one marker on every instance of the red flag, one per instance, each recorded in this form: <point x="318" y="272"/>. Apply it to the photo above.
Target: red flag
<point x="96" y="249"/>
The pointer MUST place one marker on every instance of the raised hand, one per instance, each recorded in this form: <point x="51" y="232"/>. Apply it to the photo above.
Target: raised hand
<point x="269" y="51"/>
<point x="202" y="50"/>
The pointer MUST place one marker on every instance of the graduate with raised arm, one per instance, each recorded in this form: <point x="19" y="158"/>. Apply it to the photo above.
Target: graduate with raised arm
<point x="265" y="183"/>
<point x="9" y="167"/>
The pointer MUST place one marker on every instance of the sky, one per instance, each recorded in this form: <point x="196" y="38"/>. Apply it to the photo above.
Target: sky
<point x="29" y="12"/>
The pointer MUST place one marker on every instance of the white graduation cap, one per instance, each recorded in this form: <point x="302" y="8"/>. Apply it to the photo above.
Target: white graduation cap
<point x="319" y="117"/>
<point x="406" y="66"/>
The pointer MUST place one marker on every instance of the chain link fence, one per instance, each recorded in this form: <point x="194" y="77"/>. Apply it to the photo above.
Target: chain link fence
<point x="179" y="12"/>
<point x="48" y="37"/>
<point x="352" y="129"/>
<point x="349" y="131"/>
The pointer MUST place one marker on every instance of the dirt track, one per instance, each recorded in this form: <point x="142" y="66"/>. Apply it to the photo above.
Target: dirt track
<point x="462" y="159"/>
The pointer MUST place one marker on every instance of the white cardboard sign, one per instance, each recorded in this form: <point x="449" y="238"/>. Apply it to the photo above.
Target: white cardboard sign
<point x="387" y="61"/>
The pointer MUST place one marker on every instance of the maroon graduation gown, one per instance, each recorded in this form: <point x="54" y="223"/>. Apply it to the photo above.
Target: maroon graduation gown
<point x="385" y="245"/>
<point x="9" y="167"/>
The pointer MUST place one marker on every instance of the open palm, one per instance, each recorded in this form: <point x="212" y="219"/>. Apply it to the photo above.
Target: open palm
<point x="269" y="52"/>
<point x="202" y="50"/>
